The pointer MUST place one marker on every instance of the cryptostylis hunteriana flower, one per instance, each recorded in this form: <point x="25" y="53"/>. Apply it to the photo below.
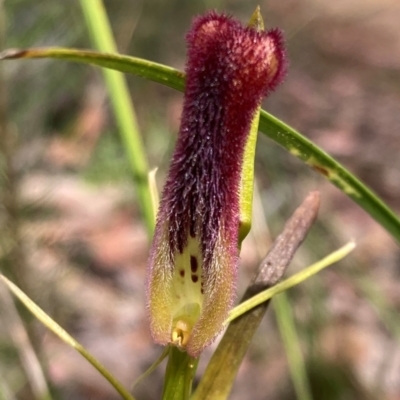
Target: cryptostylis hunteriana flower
<point x="192" y="271"/>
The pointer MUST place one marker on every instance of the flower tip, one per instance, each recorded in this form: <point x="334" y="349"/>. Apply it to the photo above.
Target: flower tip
<point x="256" y="20"/>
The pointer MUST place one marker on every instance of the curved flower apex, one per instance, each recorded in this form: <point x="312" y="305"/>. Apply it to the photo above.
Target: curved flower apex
<point x="192" y="272"/>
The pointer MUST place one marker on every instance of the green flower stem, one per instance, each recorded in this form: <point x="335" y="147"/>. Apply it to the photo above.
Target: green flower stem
<point x="287" y="328"/>
<point x="102" y="37"/>
<point x="179" y="375"/>
<point x="66" y="337"/>
<point x="278" y="131"/>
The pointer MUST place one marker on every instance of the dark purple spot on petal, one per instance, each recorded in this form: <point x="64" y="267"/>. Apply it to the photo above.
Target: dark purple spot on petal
<point x="195" y="278"/>
<point x="182" y="273"/>
<point x="193" y="263"/>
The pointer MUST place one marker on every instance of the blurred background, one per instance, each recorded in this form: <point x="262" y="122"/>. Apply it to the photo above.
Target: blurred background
<point x="71" y="232"/>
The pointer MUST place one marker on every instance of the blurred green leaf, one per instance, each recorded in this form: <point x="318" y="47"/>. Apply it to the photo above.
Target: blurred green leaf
<point x="275" y="129"/>
<point x="287" y="328"/>
<point x="102" y="37"/>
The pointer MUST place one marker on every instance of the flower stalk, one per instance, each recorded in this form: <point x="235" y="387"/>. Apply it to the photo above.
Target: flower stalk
<point x="181" y="369"/>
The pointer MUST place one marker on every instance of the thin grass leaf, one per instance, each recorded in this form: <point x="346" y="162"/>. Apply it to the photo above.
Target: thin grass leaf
<point x="336" y="173"/>
<point x="292" y="281"/>
<point x="29" y="360"/>
<point x="102" y="38"/>
<point x="66" y="337"/>
<point x="278" y="131"/>
<point x="132" y="65"/>
<point x="152" y="368"/>
<point x="287" y="329"/>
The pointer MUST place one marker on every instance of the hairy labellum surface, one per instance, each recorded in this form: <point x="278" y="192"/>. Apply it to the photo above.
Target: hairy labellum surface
<point x="191" y="278"/>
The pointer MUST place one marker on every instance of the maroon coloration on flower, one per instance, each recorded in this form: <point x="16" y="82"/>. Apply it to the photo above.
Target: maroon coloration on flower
<point x="230" y="68"/>
<point x="224" y="87"/>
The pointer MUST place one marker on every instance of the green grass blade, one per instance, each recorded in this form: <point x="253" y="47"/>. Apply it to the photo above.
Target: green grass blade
<point x="287" y="328"/>
<point x="65" y="336"/>
<point x="319" y="160"/>
<point x="29" y="360"/>
<point x="275" y="129"/>
<point x="152" y="368"/>
<point x="290" y="282"/>
<point x="132" y="65"/>
<point x="102" y="38"/>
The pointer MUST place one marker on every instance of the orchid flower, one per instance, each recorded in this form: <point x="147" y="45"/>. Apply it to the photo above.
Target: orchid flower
<point x="192" y="271"/>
